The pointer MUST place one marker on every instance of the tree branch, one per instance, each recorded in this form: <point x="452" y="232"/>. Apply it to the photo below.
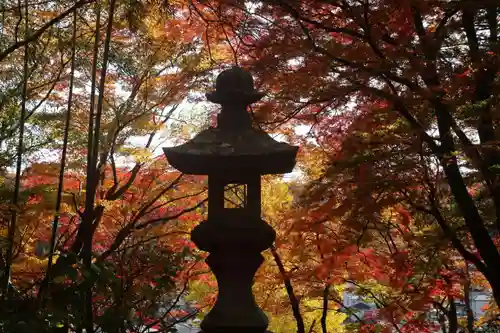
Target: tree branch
<point x="40" y="31"/>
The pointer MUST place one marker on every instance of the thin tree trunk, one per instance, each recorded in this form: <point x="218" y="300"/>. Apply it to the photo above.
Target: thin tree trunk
<point x="291" y="293"/>
<point x="324" y="314"/>
<point x="452" y="316"/>
<point x="46" y="283"/>
<point x="468" y="308"/>
<point x="20" y="152"/>
<point x="91" y="216"/>
<point x="89" y="194"/>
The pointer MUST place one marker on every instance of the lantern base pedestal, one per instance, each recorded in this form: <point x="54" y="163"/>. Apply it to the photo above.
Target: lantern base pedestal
<point x="235" y="309"/>
<point x="235" y="242"/>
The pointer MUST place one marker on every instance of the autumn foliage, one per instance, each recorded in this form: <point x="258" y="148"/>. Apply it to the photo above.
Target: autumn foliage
<point x="399" y="96"/>
<point x="396" y="197"/>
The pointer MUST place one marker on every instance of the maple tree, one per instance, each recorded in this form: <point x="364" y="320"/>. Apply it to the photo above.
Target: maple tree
<point x="377" y="160"/>
<point x="141" y="252"/>
<point x="282" y="288"/>
<point x="400" y="94"/>
<point x="400" y="98"/>
<point x="399" y="264"/>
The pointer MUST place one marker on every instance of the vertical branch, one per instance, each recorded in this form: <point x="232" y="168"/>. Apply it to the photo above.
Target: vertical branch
<point x="90" y="132"/>
<point x="100" y="100"/>
<point x="452" y="315"/>
<point x="326" y="292"/>
<point x="291" y="293"/>
<point x="89" y="194"/>
<point x="93" y="174"/>
<point x="93" y="177"/>
<point x="324" y="313"/>
<point x="63" y="156"/>
<point x="20" y="152"/>
<point x="311" y="328"/>
<point x="468" y="308"/>
<point x="233" y="50"/>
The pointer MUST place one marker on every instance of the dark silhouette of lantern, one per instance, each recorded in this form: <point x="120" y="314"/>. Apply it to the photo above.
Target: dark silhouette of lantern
<point x="233" y="155"/>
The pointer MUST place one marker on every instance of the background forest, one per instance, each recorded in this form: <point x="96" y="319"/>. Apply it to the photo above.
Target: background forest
<point x="390" y="222"/>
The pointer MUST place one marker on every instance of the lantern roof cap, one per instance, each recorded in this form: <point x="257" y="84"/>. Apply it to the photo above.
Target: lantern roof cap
<point x="234" y="147"/>
<point x="213" y="151"/>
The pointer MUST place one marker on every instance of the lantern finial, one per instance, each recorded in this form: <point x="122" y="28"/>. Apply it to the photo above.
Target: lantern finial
<point x="234" y="91"/>
<point x="234" y="85"/>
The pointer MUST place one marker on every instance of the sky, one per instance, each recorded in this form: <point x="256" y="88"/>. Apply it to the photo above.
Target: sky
<point x="163" y="139"/>
<point x="194" y="115"/>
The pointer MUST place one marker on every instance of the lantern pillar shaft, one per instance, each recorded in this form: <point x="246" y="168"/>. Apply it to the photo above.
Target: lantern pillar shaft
<point x="215" y="195"/>
<point x="254" y="196"/>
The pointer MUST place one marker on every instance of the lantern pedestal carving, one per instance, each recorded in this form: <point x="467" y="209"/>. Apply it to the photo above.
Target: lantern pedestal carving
<point x="235" y="244"/>
<point x="235" y="309"/>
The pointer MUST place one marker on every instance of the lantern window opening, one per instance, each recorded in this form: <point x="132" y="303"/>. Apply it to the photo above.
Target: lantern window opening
<point x="235" y="196"/>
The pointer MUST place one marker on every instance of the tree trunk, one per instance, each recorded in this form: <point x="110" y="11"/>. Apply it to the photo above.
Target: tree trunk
<point x="91" y="214"/>
<point x="45" y="286"/>
<point x="472" y="218"/>
<point x="324" y="314"/>
<point x="470" y="313"/>
<point x="5" y="279"/>
<point x="452" y="316"/>
<point x="294" y="302"/>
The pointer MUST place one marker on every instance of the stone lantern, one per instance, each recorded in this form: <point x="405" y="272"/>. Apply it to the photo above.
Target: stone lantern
<point x="234" y="154"/>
